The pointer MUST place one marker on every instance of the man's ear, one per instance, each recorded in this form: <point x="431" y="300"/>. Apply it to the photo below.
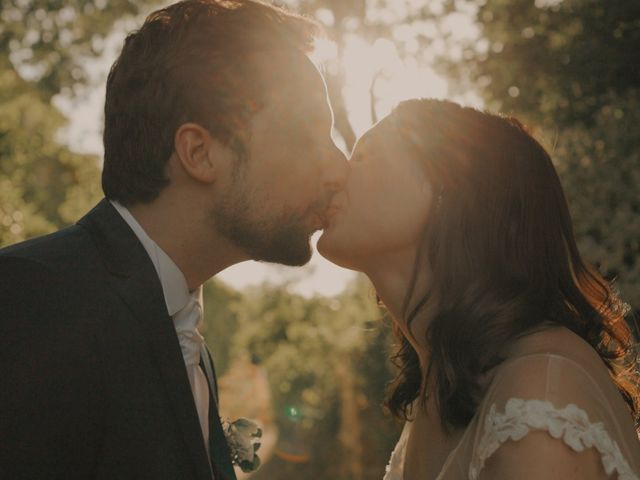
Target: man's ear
<point x="193" y="147"/>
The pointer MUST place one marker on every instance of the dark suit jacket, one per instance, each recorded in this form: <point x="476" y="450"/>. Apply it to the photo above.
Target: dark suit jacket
<point x="92" y="380"/>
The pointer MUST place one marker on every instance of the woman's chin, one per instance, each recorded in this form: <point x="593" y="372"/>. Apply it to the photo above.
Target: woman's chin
<point x="335" y="249"/>
<point x="326" y="244"/>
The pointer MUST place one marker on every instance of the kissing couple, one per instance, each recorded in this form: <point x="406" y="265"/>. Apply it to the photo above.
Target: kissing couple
<point x="217" y="150"/>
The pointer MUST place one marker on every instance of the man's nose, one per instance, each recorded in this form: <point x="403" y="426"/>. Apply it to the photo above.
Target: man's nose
<point x="336" y="168"/>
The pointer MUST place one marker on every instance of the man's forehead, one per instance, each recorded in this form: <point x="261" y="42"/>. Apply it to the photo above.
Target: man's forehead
<point x="311" y="107"/>
<point x="290" y="74"/>
<point x="293" y="88"/>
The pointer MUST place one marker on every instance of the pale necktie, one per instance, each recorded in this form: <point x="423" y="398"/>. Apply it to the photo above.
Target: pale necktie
<point x="191" y="343"/>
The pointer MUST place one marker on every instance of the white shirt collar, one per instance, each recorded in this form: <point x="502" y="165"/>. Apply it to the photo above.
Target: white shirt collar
<point x="174" y="285"/>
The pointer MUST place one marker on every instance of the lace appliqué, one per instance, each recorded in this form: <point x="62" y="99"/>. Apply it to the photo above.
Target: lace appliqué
<point x="571" y="423"/>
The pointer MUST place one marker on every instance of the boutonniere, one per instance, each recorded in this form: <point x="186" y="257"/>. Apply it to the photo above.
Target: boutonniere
<point x="243" y="437"/>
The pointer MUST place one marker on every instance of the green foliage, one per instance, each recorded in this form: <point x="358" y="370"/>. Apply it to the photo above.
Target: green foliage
<point x="48" y="40"/>
<point x="279" y="328"/>
<point x="570" y="68"/>
<point x="44" y="185"/>
<point x="555" y="61"/>
<point x="222" y="306"/>
<point x="326" y="360"/>
<point x="600" y="168"/>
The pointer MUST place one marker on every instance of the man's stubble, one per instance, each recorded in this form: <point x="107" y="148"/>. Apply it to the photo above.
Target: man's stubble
<point x="277" y="237"/>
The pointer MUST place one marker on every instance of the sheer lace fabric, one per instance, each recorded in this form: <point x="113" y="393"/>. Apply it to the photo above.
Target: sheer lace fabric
<point x="566" y="393"/>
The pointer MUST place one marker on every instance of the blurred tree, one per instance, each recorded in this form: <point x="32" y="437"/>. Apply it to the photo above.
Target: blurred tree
<point x="600" y="168"/>
<point x="43" y="45"/>
<point x="326" y="360"/>
<point x="556" y="61"/>
<point x="221" y="312"/>
<point x="43" y="185"/>
<point x="571" y="68"/>
<point x="49" y="41"/>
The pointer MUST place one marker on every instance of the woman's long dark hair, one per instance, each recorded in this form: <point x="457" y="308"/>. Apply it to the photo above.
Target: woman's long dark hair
<point x="502" y="259"/>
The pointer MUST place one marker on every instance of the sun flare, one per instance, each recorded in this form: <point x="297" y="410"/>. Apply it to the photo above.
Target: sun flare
<point x="376" y="78"/>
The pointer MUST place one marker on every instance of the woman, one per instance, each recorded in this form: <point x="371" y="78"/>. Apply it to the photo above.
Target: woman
<point x="516" y="361"/>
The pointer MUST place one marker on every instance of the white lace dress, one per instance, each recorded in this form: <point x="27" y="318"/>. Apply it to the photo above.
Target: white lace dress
<point x="569" y="398"/>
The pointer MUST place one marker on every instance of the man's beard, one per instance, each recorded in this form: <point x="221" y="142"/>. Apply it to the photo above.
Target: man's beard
<point x="279" y="239"/>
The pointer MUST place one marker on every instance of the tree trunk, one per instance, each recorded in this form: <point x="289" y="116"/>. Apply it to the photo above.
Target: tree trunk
<point x="350" y="432"/>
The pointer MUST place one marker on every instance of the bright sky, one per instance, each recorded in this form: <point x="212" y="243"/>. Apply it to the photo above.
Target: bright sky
<point x="396" y="80"/>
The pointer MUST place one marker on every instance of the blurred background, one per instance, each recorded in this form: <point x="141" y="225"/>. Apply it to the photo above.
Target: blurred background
<point x="305" y="351"/>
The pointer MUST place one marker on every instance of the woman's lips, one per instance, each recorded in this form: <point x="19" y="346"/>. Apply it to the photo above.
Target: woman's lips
<point x="331" y="211"/>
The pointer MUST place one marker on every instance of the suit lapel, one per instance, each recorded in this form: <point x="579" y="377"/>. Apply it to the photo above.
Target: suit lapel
<point x="218" y="446"/>
<point x="220" y="455"/>
<point x="135" y="280"/>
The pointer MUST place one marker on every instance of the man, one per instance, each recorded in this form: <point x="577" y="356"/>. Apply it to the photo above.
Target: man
<point x="217" y="150"/>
